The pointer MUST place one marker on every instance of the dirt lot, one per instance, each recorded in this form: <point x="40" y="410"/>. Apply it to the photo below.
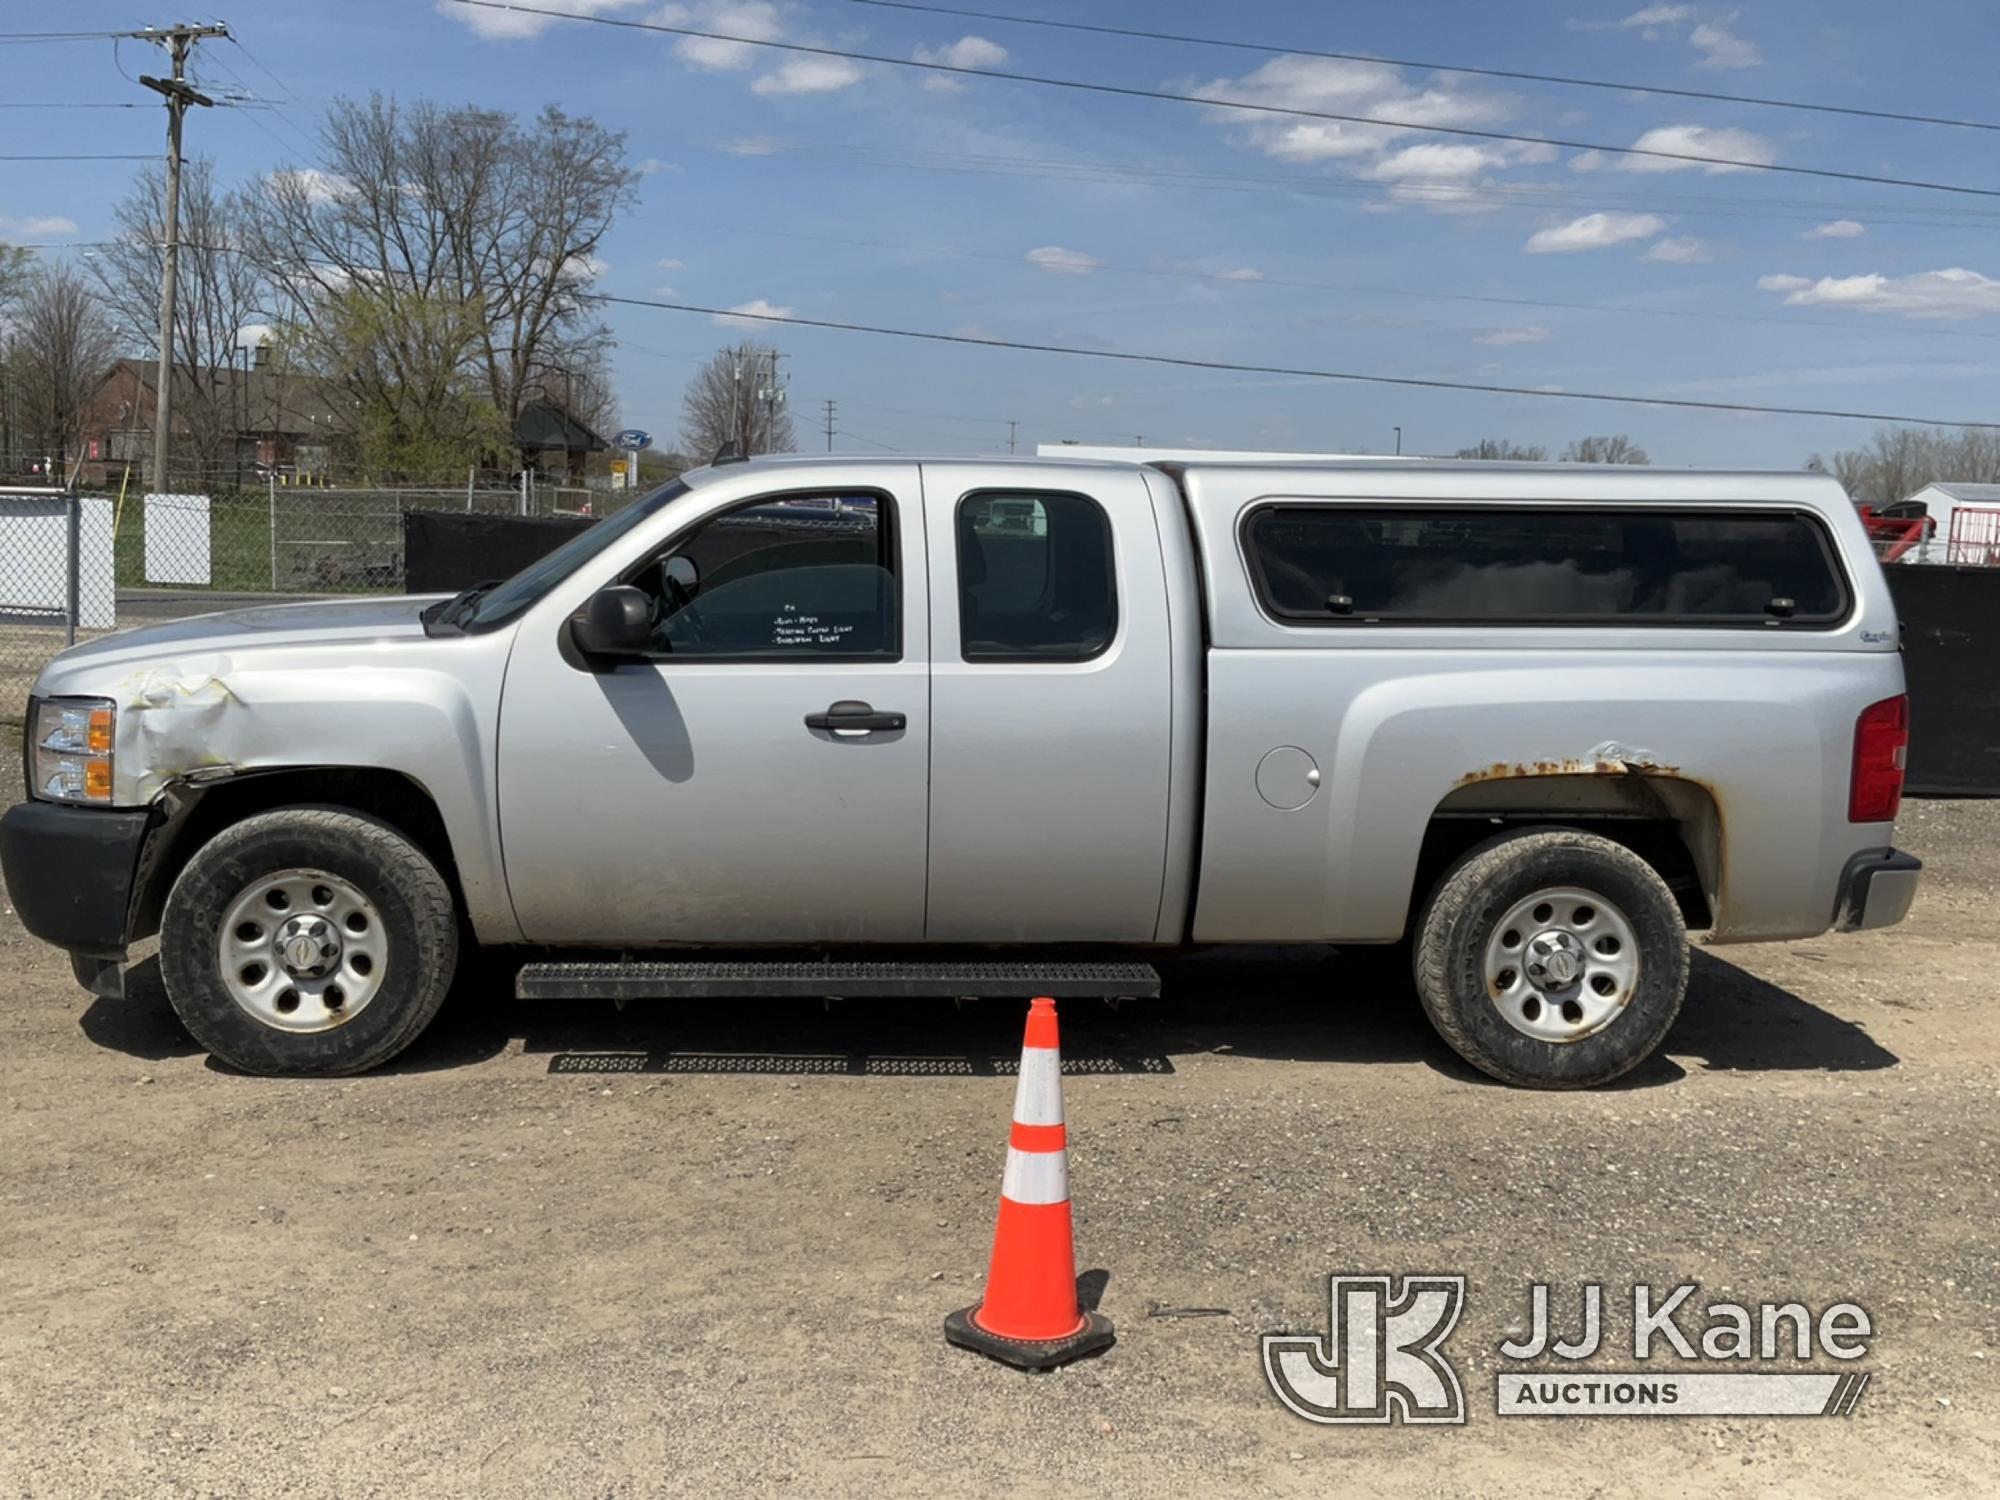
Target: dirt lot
<point x="561" y="1252"/>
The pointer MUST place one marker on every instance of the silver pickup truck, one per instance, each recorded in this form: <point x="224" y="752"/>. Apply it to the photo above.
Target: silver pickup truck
<point x="963" y="727"/>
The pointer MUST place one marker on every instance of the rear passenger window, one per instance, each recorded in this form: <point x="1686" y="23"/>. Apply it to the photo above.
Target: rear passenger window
<point x="1325" y="564"/>
<point x="1034" y="577"/>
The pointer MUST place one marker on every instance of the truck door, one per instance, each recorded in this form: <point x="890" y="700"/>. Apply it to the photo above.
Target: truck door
<point x="1051" y="706"/>
<point x="711" y="793"/>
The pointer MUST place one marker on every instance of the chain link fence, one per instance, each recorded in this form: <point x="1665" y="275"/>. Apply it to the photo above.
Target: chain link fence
<point x="76" y="565"/>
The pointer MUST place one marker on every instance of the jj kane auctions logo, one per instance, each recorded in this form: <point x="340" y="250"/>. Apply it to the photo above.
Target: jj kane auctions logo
<point x="1383" y="1361"/>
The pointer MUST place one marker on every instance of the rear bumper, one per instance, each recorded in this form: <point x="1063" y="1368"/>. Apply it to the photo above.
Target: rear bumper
<point x="1876" y="889"/>
<point x="69" y="873"/>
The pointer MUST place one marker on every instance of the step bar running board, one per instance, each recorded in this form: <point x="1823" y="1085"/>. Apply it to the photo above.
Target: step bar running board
<point x="703" y="980"/>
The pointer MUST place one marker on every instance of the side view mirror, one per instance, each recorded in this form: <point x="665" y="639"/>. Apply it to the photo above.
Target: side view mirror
<point x="616" y="622"/>
<point x="682" y="577"/>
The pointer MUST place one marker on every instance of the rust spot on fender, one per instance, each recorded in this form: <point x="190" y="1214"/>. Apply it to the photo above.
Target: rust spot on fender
<point x="1502" y="770"/>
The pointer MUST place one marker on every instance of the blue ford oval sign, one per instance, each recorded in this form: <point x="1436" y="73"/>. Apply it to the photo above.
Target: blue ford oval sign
<point x="632" y="438"/>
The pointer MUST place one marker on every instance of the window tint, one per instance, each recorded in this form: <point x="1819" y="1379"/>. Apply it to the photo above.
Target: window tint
<point x="1034" y="578"/>
<point x="1551" y="566"/>
<point x="798" y="576"/>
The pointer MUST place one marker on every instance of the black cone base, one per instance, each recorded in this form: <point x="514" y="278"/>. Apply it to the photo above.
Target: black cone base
<point x="1030" y="1354"/>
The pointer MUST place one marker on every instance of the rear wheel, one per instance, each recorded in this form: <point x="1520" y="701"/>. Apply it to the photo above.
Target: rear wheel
<point x="308" y="940"/>
<point x="1555" y="959"/>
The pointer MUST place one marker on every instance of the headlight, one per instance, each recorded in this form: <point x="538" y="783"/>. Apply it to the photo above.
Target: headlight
<point x="69" y="745"/>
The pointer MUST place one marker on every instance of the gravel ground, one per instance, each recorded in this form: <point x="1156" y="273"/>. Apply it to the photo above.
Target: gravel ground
<point x="563" y="1251"/>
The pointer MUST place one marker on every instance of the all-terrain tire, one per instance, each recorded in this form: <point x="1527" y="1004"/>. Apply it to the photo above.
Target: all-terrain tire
<point x="1459" y="920"/>
<point x="418" y="931"/>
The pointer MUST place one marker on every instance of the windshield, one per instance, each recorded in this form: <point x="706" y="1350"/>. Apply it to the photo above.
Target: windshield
<point x="503" y="602"/>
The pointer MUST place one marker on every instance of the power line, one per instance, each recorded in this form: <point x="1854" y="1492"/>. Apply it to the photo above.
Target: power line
<point x="1232" y="367"/>
<point x="1126" y="91"/>
<point x="1524" y="194"/>
<point x="857" y="437"/>
<point x="1366" y="290"/>
<point x="1435" y="67"/>
<point x="43" y="156"/>
<point x="27" y="37"/>
<point x="70" y="104"/>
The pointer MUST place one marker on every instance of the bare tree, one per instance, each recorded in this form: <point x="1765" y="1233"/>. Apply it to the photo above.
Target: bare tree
<point x="1501" y="450"/>
<point x="219" y="292"/>
<point x="483" y="228"/>
<point x="62" y="349"/>
<point x="577" y="377"/>
<point x="1616" y="449"/>
<point x="17" y="269"/>
<point x="1899" y="461"/>
<point x="737" y="398"/>
<point x="16" y="272"/>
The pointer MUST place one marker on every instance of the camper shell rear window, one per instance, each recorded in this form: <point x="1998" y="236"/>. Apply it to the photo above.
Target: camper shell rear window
<point x="1322" y="563"/>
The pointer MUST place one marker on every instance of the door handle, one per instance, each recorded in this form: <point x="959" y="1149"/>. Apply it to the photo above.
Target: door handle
<point x="852" y="716"/>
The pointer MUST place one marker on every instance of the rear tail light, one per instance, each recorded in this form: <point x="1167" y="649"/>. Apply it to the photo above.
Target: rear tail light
<point x="1881" y="744"/>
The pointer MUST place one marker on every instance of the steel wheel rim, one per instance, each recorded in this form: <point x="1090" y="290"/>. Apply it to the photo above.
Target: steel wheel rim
<point x="302" y="950"/>
<point x="1562" y="963"/>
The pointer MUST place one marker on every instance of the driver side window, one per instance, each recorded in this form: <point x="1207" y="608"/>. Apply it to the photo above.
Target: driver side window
<point x="792" y="577"/>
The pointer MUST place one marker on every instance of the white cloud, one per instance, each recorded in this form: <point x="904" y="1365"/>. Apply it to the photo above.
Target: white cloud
<point x="1722" y="48"/>
<point x="1500" y="338"/>
<point x="652" y="164"/>
<point x="318" y="186"/>
<point x="1586" y="161"/>
<point x="255" y="335"/>
<point x="1837" y="229"/>
<point x="589" y="267"/>
<point x="1949" y="294"/>
<point x="754" y="20"/>
<point x="1441" y="177"/>
<point x="1709" y="35"/>
<point x="511" y="25"/>
<point x="809" y="75"/>
<point x="966" y="52"/>
<point x="1685" y="250"/>
<point x="1699" y="140"/>
<point x="671" y="264"/>
<point x="1435" y="163"/>
<point x="36" y="226"/>
<point x="1594" y="232"/>
<point x="1241" y="273"/>
<point x="754" y="306"/>
<point x="1064" y="262"/>
<point x="1657" y="15"/>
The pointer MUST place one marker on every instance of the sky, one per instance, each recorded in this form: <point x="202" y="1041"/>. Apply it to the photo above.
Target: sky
<point x="870" y="193"/>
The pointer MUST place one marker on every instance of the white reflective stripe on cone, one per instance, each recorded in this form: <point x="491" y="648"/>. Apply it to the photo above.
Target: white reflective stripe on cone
<point x="1038" y="1096"/>
<point x="1036" y="1176"/>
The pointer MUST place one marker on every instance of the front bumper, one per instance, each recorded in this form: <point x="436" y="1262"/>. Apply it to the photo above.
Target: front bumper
<point x="70" y="872"/>
<point x="1876" y="889"/>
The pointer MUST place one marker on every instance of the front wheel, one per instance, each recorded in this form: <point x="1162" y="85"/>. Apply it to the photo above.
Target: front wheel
<point x="308" y="940"/>
<point x="1555" y="959"/>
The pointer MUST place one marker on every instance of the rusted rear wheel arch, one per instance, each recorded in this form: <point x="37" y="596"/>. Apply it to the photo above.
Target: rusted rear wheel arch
<point x="1674" y="823"/>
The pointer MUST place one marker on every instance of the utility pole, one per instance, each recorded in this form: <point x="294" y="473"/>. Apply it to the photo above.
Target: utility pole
<point x="1399" y="442"/>
<point x="735" y="391"/>
<point x="829" y="423"/>
<point x="179" y="41"/>
<point x="773" y="396"/>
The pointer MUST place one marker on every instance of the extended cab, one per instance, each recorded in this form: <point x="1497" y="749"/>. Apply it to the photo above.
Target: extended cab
<point x="1536" y="720"/>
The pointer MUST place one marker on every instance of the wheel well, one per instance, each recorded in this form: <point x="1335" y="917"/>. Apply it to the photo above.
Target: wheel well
<point x="199" y="812"/>
<point x="1673" y="825"/>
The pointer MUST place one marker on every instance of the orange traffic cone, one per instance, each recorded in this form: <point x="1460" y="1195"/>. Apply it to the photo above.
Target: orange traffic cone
<point x="1030" y="1317"/>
